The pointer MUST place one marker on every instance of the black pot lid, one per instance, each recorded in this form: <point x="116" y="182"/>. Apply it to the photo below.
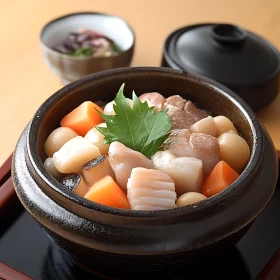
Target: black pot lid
<point x="226" y="53"/>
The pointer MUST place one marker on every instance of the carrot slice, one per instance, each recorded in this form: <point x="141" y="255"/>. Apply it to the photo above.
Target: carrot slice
<point x="83" y="118"/>
<point x="106" y="191"/>
<point x="219" y="179"/>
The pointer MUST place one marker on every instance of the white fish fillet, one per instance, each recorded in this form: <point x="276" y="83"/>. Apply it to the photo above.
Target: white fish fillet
<point x="150" y="189"/>
<point x="123" y="160"/>
<point x="185" y="171"/>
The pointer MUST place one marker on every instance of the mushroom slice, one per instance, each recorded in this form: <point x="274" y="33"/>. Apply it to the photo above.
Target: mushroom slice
<point x="96" y="169"/>
<point x="74" y="182"/>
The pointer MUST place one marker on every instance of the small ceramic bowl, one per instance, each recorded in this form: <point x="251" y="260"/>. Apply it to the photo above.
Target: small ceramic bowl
<point x="111" y="239"/>
<point x="70" y="68"/>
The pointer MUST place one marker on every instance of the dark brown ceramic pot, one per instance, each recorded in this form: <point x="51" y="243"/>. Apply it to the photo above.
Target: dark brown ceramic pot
<point x="99" y="236"/>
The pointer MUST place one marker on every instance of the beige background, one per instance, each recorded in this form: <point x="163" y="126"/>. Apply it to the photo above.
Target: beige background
<point x="26" y="81"/>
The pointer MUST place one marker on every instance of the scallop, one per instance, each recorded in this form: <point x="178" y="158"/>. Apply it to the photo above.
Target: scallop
<point x="109" y="107"/>
<point x="206" y="126"/>
<point x="186" y="172"/>
<point x="154" y="99"/>
<point x="74" y="154"/>
<point x="123" y="160"/>
<point x="96" y="169"/>
<point x="199" y="145"/>
<point x="97" y="138"/>
<point x="234" y="151"/>
<point x="57" y="139"/>
<point x="75" y="183"/>
<point x="49" y="165"/>
<point x="150" y="189"/>
<point x="223" y="125"/>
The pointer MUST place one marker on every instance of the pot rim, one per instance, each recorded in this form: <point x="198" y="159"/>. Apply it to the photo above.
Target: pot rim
<point x="237" y="187"/>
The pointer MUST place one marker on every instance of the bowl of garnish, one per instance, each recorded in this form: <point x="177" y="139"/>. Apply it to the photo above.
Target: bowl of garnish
<point x="144" y="170"/>
<point x="80" y="44"/>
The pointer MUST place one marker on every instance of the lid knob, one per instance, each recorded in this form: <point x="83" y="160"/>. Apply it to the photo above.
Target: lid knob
<point x="229" y="34"/>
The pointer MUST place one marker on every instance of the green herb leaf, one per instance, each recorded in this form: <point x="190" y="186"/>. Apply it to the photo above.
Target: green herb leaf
<point x="117" y="48"/>
<point x="138" y="128"/>
<point x="84" y="51"/>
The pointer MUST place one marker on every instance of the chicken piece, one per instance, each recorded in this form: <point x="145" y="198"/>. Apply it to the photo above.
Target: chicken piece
<point x="150" y="189"/>
<point x="194" y="113"/>
<point x="96" y="138"/>
<point x="178" y="118"/>
<point x="176" y="139"/>
<point x="186" y="172"/>
<point x="74" y="154"/>
<point x="201" y="146"/>
<point x="177" y="101"/>
<point x="185" y="117"/>
<point x="206" y="126"/>
<point x="123" y="160"/>
<point x="153" y="99"/>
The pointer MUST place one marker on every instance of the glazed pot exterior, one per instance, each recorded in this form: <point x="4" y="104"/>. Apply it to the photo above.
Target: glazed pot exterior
<point x="143" y="241"/>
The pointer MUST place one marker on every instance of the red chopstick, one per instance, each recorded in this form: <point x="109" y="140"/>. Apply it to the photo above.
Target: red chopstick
<point x="5" y="170"/>
<point x="8" y="273"/>
<point x="7" y="192"/>
<point x="272" y="269"/>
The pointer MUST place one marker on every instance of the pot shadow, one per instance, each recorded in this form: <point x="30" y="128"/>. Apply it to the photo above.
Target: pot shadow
<point x="231" y="265"/>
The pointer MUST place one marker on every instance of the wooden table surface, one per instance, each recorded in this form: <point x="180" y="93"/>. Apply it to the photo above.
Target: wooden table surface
<point x="26" y="81"/>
